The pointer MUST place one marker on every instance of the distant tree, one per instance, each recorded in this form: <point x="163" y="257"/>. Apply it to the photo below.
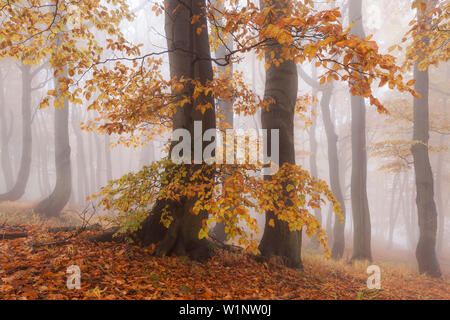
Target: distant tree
<point x="6" y="133"/>
<point x="57" y="200"/>
<point x="333" y="163"/>
<point x="28" y="73"/>
<point x="360" y="204"/>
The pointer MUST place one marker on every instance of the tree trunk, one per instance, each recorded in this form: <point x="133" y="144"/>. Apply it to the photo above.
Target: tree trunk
<point x="185" y="45"/>
<point x="338" y="238"/>
<point x="333" y="165"/>
<point x="25" y="161"/>
<point x="281" y="85"/>
<point x="426" y="207"/>
<point x="53" y="204"/>
<point x="360" y="204"/>
<point x="5" y="131"/>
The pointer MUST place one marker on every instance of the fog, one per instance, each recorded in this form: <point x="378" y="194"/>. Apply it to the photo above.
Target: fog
<point x="391" y="189"/>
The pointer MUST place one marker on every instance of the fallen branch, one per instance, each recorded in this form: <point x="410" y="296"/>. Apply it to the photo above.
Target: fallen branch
<point x="16" y="235"/>
<point x="93" y="227"/>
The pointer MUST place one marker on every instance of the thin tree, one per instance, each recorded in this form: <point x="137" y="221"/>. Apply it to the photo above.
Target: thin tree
<point x="333" y="162"/>
<point x="17" y="191"/>
<point x="360" y="203"/>
<point x="57" y="200"/>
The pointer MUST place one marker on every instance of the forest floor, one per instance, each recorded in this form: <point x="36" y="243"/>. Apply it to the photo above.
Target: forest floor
<point x="34" y="267"/>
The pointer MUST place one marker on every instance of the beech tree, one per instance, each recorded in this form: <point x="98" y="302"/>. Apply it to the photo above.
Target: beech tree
<point x="28" y="73"/>
<point x="57" y="200"/>
<point x="284" y="197"/>
<point x="333" y="162"/>
<point x="169" y="205"/>
<point x="281" y="89"/>
<point x="426" y="206"/>
<point x="360" y="204"/>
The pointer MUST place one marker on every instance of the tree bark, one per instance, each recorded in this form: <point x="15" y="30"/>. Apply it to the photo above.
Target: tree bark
<point x="25" y="161"/>
<point x="426" y="207"/>
<point x="185" y="46"/>
<point x="360" y="204"/>
<point x="281" y="85"/>
<point x="56" y="201"/>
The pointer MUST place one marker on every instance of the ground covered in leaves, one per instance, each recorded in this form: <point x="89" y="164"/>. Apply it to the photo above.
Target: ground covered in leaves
<point x="34" y="268"/>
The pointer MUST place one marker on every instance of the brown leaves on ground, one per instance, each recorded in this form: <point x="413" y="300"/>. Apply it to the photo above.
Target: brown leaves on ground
<point x="121" y="271"/>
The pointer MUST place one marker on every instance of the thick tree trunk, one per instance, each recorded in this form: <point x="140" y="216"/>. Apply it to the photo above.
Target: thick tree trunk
<point x="281" y="85"/>
<point x="185" y="45"/>
<point x="25" y="161"/>
<point x="360" y="204"/>
<point x="5" y="132"/>
<point x="333" y="166"/>
<point x="426" y="207"/>
<point x="53" y="204"/>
